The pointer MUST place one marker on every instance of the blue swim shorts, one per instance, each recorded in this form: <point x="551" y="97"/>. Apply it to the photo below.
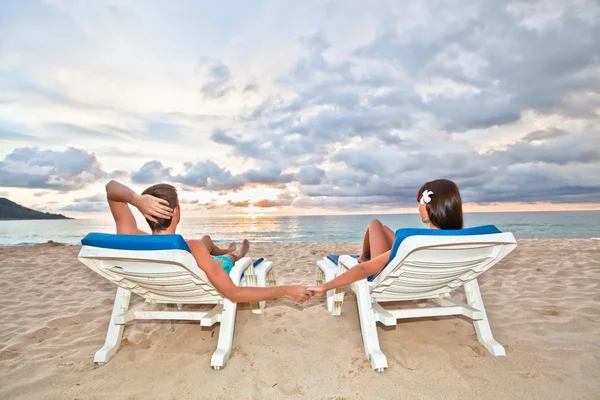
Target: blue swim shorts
<point x="225" y="263"/>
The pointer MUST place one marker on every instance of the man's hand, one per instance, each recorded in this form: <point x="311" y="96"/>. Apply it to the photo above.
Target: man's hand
<point x="299" y="294"/>
<point x="317" y="291"/>
<point x="152" y="207"/>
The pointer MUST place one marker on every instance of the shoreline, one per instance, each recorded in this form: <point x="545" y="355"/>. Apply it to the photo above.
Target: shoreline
<point x="55" y="243"/>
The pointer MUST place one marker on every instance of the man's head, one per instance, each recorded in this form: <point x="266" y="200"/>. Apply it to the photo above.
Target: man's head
<point x="169" y="193"/>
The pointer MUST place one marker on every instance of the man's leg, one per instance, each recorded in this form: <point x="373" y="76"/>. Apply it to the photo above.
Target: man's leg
<point x="241" y="252"/>
<point x="215" y="250"/>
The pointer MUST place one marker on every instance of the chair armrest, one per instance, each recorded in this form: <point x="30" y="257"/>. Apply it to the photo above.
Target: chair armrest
<point x="238" y="269"/>
<point x="347" y="261"/>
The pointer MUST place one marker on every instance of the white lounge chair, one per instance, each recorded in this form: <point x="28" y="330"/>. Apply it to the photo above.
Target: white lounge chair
<point x="422" y="267"/>
<point x="161" y="269"/>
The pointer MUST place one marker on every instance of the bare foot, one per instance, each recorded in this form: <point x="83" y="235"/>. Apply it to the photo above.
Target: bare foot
<point x="231" y="247"/>
<point x="242" y="251"/>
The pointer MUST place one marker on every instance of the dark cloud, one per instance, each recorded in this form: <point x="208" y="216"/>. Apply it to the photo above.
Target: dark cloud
<point x="30" y="167"/>
<point x="582" y="148"/>
<point x="208" y="175"/>
<point x="283" y="200"/>
<point x="151" y="172"/>
<point x="545" y="134"/>
<point x="268" y="174"/>
<point x="239" y="204"/>
<point x="310" y="175"/>
<point x="219" y="136"/>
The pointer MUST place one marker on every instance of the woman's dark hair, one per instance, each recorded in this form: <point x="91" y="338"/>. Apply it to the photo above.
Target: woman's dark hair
<point x="166" y="192"/>
<point x="445" y="207"/>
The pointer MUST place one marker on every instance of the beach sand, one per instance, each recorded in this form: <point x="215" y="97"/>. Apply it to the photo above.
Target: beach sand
<point x="543" y="302"/>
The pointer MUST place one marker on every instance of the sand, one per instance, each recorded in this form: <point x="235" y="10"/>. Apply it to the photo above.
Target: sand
<point x="543" y="302"/>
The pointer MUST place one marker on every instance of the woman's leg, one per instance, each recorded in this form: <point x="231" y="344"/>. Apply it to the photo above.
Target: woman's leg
<point x="215" y="250"/>
<point x="378" y="239"/>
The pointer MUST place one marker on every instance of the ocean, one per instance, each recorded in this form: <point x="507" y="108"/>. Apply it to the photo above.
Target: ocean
<point x="328" y="229"/>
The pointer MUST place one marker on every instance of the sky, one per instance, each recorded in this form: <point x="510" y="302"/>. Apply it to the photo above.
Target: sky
<point x="314" y="107"/>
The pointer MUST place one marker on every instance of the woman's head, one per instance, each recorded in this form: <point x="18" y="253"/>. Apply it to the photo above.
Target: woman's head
<point x="441" y="205"/>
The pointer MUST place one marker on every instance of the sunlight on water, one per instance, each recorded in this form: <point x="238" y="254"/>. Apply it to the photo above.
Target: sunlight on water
<point x="346" y="228"/>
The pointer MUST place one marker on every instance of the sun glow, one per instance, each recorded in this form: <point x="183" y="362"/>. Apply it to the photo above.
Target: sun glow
<point x="252" y="195"/>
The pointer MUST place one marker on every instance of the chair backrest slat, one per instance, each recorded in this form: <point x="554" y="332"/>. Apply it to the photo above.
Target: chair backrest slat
<point x="167" y="276"/>
<point x="432" y="266"/>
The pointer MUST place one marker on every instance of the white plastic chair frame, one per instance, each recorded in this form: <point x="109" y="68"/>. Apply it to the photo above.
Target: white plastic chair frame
<point x="424" y="268"/>
<point x="170" y="277"/>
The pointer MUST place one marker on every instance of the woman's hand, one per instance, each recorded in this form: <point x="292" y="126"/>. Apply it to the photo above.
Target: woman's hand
<point x="317" y="291"/>
<point x="299" y="294"/>
<point x="152" y="207"/>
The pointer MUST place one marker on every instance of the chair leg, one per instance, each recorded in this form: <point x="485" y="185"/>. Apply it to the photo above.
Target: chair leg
<point x="368" y="327"/>
<point x="220" y="357"/>
<point x="326" y="270"/>
<point x="251" y="280"/>
<point x="115" y="331"/>
<point x="264" y="277"/>
<point x="319" y="276"/>
<point x="482" y="326"/>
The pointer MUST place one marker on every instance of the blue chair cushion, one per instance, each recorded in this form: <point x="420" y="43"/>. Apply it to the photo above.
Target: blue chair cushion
<point x="402" y="234"/>
<point x="140" y="242"/>
<point x="334" y="258"/>
<point x="135" y="242"/>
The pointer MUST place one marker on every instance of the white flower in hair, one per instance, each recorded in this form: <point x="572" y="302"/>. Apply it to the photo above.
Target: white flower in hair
<point x="425" y="199"/>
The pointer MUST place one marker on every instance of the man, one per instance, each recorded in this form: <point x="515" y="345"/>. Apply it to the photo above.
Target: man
<point x="159" y="204"/>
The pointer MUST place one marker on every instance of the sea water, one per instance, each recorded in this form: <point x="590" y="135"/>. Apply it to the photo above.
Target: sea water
<point x="334" y="228"/>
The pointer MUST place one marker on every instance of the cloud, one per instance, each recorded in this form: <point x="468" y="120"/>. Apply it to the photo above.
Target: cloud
<point x="239" y="204"/>
<point x="502" y="97"/>
<point x="151" y="172"/>
<point x="281" y="201"/>
<point x="86" y="207"/>
<point x="218" y="78"/>
<point x="118" y="174"/>
<point x="163" y="131"/>
<point x="7" y="134"/>
<point x="310" y="175"/>
<point x="544" y="134"/>
<point x="4" y="193"/>
<point x="90" y="204"/>
<point x="268" y="173"/>
<point x="30" y="167"/>
<point x="208" y="175"/>
<point x="97" y="198"/>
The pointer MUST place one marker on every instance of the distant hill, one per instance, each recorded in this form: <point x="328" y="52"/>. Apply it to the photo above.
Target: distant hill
<point x="10" y="211"/>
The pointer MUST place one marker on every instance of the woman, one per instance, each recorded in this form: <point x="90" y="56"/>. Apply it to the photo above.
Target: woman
<point x="440" y="206"/>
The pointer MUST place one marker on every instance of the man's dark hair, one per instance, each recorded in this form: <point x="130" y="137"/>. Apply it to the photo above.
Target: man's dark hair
<point x="445" y="207"/>
<point x="166" y="192"/>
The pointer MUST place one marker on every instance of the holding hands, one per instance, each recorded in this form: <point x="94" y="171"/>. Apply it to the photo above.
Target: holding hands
<point x="301" y="294"/>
